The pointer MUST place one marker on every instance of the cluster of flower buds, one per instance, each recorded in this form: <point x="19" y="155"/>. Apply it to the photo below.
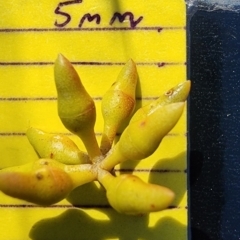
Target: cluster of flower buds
<point x="63" y="166"/>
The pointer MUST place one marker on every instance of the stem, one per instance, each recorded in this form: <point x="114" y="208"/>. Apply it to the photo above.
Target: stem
<point x="112" y="159"/>
<point x="105" y="178"/>
<point x="89" y="139"/>
<point x="81" y="174"/>
<point x="107" y="139"/>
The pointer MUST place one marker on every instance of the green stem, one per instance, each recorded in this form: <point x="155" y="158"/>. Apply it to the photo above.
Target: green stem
<point x="107" y="139"/>
<point x="105" y="178"/>
<point x="114" y="158"/>
<point x="90" y="142"/>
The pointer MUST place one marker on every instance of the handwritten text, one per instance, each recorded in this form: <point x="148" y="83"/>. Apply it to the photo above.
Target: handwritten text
<point x="117" y="16"/>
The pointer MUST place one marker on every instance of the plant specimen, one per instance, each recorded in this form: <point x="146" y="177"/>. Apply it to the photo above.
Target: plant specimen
<point x="62" y="166"/>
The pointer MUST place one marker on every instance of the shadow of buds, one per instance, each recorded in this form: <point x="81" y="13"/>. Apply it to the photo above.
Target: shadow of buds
<point x="75" y="224"/>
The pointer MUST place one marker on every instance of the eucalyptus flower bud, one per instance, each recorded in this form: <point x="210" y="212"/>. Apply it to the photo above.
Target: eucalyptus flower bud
<point x="141" y="138"/>
<point x="76" y="108"/>
<point x="128" y="194"/>
<point x="118" y="104"/>
<point x="45" y="181"/>
<point x="56" y="146"/>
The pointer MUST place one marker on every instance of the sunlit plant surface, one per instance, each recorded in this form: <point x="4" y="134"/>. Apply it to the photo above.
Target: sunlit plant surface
<point x="62" y="166"/>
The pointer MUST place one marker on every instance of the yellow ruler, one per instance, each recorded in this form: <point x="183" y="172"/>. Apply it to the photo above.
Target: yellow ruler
<point x="98" y="37"/>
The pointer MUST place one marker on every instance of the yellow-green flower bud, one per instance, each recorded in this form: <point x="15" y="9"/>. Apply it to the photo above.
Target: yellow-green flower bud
<point x="118" y="104"/>
<point x="76" y="108"/>
<point x="128" y="194"/>
<point x="141" y="138"/>
<point x="56" y="146"/>
<point x="45" y="181"/>
<point x="176" y="94"/>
